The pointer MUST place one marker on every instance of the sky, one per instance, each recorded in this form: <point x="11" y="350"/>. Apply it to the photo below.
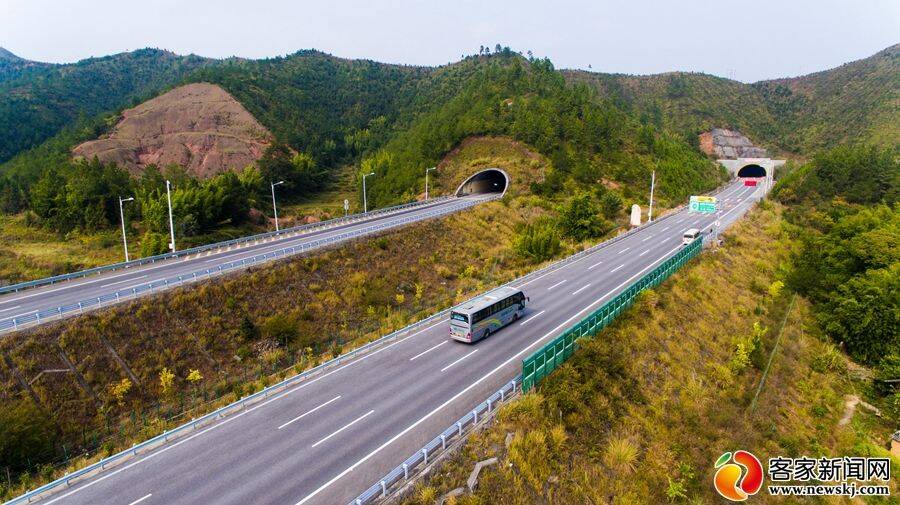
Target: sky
<point x="747" y="41"/>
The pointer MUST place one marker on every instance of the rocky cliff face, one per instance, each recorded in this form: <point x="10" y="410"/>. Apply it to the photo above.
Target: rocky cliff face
<point x="729" y="144"/>
<point x="198" y="126"/>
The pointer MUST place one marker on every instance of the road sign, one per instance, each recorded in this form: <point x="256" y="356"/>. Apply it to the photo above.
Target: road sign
<point x="703" y="204"/>
<point x="346" y="206"/>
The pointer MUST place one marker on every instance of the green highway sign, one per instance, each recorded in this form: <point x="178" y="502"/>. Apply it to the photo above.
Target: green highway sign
<point x="703" y="204"/>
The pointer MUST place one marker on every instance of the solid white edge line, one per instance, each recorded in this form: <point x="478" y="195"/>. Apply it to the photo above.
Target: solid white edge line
<point x="308" y="412"/>
<point x="479" y="381"/>
<point x="460" y="359"/>
<point x="141" y="499"/>
<point x="236" y="416"/>
<point x="351" y="423"/>
<point x="10" y="308"/>
<point x="301" y="386"/>
<point x="579" y="290"/>
<point x="532" y="317"/>
<point x="428" y="350"/>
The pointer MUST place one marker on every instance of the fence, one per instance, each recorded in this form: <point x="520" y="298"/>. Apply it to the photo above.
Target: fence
<point x="552" y="354"/>
<point x="38" y="317"/>
<point x="453" y="432"/>
<point x="420" y="457"/>
<point x="218" y="245"/>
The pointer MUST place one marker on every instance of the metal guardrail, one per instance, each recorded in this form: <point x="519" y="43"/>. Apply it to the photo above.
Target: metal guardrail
<point x="208" y="247"/>
<point x="551" y="355"/>
<point x="267" y="392"/>
<point x="15" y="323"/>
<point x="400" y="474"/>
<point x="438" y="444"/>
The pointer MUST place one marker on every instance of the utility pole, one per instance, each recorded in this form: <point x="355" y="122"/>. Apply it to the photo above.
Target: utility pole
<point x="365" y="200"/>
<point x="426" y="181"/>
<point x="171" y="221"/>
<point x="652" y="185"/>
<point x="275" y="207"/>
<point x="122" y="217"/>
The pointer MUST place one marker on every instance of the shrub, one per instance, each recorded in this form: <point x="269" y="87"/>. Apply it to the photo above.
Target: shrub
<point x="281" y="328"/>
<point x="537" y="242"/>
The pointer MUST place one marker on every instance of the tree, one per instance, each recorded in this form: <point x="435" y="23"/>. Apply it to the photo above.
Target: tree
<point x="538" y="242"/>
<point x="611" y="204"/>
<point x="580" y="219"/>
<point x="26" y="434"/>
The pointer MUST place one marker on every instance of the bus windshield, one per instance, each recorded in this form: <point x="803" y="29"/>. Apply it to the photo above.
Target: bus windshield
<point x="456" y="316"/>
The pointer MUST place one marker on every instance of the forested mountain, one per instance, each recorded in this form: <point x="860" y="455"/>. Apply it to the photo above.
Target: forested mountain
<point x="12" y="66"/>
<point x="326" y="112"/>
<point x="38" y="101"/>
<point x="857" y="101"/>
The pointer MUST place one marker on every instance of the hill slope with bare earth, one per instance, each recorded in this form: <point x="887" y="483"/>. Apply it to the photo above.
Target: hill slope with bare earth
<point x="198" y="126"/>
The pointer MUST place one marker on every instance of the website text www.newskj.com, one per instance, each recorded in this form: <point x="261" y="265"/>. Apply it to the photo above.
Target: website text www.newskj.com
<point x="846" y="489"/>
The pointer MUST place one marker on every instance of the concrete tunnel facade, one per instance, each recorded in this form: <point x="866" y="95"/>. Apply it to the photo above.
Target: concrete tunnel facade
<point x="485" y="182"/>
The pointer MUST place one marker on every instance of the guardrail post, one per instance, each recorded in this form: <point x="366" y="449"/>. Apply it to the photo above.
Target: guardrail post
<point x="425" y="454"/>
<point x="383" y="489"/>
<point x="443" y="442"/>
<point x="475" y="416"/>
<point x="405" y="471"/>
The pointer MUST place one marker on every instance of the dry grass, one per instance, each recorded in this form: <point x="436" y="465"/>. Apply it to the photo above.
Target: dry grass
<point x="649" y="404"/>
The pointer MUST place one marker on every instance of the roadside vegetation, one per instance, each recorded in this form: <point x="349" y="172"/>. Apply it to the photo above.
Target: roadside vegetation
<point x="642" y="410"/>
<point x="136" y="362"/>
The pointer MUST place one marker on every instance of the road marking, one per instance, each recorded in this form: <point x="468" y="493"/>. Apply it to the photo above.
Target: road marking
<point x="680" y="220"/>
<point x="645" y="252"/>
<point x="351" y="423"/>
<point x="141" y="499"/>
<point x="428" y="350"/>
<point x="477" y="382"/>
<point x="532" y="317"/>
<point x="301" y="416"/>
<point x="618" y="267"/>
<point x="666" y="228"/>
<point x="648" y="238"/>
<point x="623" y="250"/>
<point x="460" y="359"/>
<point x="579" y="290"/>
<point x="120" y="282"/>
<point x="11" y="308"/>
<point x="555" y="285"/>
<point x="595" y="265"/>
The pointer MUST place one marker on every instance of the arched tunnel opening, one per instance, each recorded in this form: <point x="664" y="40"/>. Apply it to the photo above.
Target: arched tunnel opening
<point x="486" y="182"/>
<point x="752" y="171"/>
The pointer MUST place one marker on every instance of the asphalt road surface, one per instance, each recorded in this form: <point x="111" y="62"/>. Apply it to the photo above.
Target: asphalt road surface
<point x="329" y="438"/>
<point x="29" y="301"/>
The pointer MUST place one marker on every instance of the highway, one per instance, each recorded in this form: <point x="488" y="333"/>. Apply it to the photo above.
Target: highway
<point x="327" y="439"/>
<point x="30" y="301"/>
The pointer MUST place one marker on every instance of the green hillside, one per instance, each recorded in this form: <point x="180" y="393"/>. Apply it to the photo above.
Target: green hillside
<point x="37" y="102"/>
<point x="858" y="101"/>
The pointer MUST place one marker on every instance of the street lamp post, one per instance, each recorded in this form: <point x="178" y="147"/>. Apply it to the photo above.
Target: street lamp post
<point x="275" y="207"/>
<point x="122" y="217"/>
<point x="171" y="221"/>
<point x="426" y="181"/>
<point x="652" y="185"/>
<point x="365" y="200"/>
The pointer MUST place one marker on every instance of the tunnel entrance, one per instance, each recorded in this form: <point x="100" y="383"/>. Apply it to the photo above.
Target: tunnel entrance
<point x="490" y="181"/>
<point x="752" y="171"/>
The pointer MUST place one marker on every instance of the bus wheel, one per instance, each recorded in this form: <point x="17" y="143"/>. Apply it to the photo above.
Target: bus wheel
<point x="515" y="317"/>
<point x="487" y="333"/>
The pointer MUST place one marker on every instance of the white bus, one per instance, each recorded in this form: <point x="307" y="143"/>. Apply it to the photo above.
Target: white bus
<point x="690" y="236"/>
<point x="486" y="314"/>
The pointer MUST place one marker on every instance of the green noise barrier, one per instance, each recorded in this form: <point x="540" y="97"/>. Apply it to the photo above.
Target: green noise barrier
<point x="546" y="359"/>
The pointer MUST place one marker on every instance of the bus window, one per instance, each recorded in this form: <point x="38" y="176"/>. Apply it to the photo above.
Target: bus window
<point x="456" y="316"/>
